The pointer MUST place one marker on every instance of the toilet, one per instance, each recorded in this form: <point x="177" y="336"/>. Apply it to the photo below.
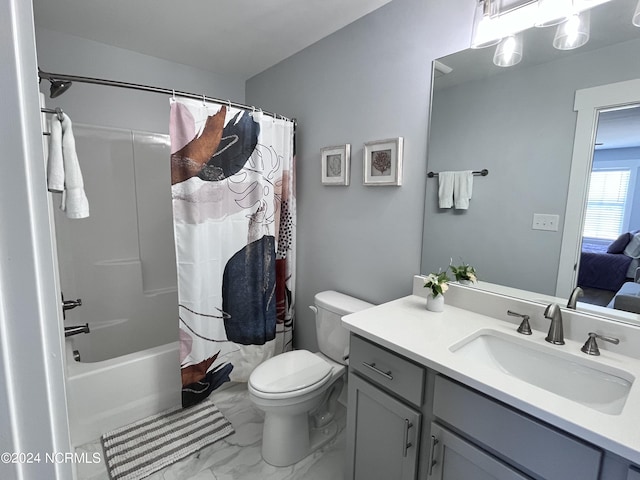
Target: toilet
<point x="298" y="390"/>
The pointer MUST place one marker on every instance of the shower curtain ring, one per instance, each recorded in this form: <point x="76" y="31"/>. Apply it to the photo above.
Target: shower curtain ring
<point x="204" y="101"/>
<point x="174" y="93"/>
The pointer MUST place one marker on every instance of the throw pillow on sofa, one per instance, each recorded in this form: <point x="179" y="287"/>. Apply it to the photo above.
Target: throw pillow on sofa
<point x="620" y="243"/>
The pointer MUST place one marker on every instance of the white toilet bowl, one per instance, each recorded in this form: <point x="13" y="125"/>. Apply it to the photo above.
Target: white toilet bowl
<point x="297" y="391"/>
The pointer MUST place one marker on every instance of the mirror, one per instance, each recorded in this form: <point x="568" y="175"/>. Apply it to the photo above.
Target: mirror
<point x="519" y="123"/>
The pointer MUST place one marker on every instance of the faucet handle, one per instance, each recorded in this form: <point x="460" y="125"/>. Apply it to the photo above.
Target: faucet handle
<point x="590" y="347"/>
<point x="524" y="327"/>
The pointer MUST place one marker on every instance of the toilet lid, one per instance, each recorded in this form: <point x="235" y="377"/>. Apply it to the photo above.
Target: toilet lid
<point x="289" y="372"/>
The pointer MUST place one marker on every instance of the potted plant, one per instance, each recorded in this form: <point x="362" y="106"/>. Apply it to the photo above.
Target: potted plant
<point x="437" y="284"/>
<point x="465" y="273"/>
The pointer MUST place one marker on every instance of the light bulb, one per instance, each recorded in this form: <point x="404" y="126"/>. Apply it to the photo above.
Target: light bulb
<point x="509" y="51"/>
<point x="574" y="32"/>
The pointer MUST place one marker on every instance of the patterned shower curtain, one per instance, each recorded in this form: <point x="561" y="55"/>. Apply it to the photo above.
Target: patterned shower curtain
<point x="234" y="213"/>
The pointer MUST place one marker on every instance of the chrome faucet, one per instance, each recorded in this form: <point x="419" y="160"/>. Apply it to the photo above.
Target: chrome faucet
<point x="70" y="331"/>
<point x="573" y="298"/>
<point x="555" y="335"/>
<point x="524" y="328"/>
<point x="591" y="347"/>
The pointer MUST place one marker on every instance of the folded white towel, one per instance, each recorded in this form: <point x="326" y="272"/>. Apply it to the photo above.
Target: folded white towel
<point x="462" y="189"/>
<point x="74" y="200"/>
<point x="55" y="165"/>
<point x="445" y="189"/>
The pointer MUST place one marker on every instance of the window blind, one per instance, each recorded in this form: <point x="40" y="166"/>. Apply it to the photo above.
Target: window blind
<point x="606" y="203"/>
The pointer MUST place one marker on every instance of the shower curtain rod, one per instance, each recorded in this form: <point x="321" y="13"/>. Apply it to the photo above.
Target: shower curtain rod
<point x="148" y="88"/>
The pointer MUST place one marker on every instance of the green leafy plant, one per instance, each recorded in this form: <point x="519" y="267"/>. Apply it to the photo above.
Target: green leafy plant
<point x="464" y="272"/>
<point x="437" y="283"/>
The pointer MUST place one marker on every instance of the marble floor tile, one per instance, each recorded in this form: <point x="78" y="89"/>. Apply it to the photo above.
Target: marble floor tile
<point x="237" y="457"/>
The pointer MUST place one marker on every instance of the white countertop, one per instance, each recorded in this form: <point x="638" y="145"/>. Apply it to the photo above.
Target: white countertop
<point x="407" y="328"/>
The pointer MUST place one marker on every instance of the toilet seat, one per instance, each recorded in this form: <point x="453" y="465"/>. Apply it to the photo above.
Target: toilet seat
<point x="289" y="374"/>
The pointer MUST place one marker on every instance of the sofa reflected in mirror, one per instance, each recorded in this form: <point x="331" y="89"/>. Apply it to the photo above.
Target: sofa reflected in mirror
<point x="605" y="268"/>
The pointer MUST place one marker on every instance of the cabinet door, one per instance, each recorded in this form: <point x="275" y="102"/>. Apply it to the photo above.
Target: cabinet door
<point x="451" y="458"/>
<point x="382" y="434"/>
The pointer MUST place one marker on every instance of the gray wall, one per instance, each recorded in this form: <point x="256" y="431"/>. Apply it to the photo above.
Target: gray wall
<point x="368" y="81"/>
<point x="117" y="107"/>
<point x="520" y="125"/>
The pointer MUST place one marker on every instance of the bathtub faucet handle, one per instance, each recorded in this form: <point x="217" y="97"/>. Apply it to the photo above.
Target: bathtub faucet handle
<point x="69" y="304"/>
<point x="71" y="331"/>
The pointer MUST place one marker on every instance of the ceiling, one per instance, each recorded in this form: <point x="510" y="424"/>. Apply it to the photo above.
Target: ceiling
<point x="232" y="37"/>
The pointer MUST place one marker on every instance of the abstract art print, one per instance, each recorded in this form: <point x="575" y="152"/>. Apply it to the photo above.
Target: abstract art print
<point x="383" y="162"/>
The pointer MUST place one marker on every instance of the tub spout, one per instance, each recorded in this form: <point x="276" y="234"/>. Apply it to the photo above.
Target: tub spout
<point x="70" y="331"/>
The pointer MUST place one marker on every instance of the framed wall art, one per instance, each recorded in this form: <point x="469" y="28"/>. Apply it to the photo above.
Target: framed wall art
<point x="383" y="162"/>
<point x="336" y="164"/>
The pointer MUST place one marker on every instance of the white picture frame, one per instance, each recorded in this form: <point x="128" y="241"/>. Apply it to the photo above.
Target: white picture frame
<point x="382" y="162"/>
<point x="336" y="165"/>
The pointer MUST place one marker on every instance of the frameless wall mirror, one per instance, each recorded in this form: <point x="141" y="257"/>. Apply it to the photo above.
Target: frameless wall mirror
<point x="519" y="122"/>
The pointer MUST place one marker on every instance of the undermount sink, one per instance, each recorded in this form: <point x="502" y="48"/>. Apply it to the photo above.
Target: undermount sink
<point x="582" y="380"/>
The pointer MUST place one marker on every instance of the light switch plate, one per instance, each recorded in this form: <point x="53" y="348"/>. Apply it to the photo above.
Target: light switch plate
<point x="545" y="221"/>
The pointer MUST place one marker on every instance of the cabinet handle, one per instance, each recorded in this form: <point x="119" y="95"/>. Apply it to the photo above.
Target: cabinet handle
<point x="407" y="443"/>
<point x="432" y="454"/>
<point x="373" y="367"/>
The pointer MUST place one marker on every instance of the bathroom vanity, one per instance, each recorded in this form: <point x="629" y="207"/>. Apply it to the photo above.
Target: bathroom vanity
<point x="424" y="401"/>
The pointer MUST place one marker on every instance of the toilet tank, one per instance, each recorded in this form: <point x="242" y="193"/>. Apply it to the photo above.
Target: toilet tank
<point x="333" y="338"/>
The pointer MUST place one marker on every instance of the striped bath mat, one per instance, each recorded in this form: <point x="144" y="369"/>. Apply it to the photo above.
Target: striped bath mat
<point x="144" y="447"/>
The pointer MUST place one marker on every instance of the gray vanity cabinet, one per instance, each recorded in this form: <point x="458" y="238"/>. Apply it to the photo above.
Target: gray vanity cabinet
<point x="384" y="422"/>
<point x="384" y="434"/>
<point x="515" y="439"/>
<point x="405" y="421"/>
<point x="452" y="458"/>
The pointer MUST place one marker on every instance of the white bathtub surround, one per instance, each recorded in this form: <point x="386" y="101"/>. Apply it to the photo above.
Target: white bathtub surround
<point x="121" y="260"/>
<point x="237" y="457"/>
<point x="427" y="338"/>
<point x="103" y="396"/>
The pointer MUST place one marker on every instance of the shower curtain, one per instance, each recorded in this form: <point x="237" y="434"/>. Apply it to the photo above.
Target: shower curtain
<point x="234" y="213"/>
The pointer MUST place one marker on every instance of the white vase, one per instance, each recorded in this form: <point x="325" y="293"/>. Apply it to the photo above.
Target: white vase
<point x="435" y="304"/>
<point x="464" y="281"/>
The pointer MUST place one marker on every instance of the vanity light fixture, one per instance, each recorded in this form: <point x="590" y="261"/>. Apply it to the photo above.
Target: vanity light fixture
<point x="484" y="24"/>
<point x="574" y="32"/>
<point x="498" y="20"/>
<point x="553" y="12"/>
<point x="636" y="16"/>
<point x="509" y="51"/>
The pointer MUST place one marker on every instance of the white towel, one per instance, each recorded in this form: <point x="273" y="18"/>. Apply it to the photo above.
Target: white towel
<point x="55" y="165"/>
<point x="68" y="179"/>
<point x="445" y="189"/>
<point x="462" y="189"/>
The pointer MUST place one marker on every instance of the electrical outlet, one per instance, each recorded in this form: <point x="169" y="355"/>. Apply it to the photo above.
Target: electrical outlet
<point x="545" y="221"/>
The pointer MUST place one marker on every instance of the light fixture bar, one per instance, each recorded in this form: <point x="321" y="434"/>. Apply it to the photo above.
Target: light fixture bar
<point x="504" y="23"/>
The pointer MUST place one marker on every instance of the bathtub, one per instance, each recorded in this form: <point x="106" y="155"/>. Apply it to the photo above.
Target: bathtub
<point x="105" y="395"/>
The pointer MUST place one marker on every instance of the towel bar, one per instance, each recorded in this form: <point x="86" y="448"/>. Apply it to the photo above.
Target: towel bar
<point x="484" y="172"/>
